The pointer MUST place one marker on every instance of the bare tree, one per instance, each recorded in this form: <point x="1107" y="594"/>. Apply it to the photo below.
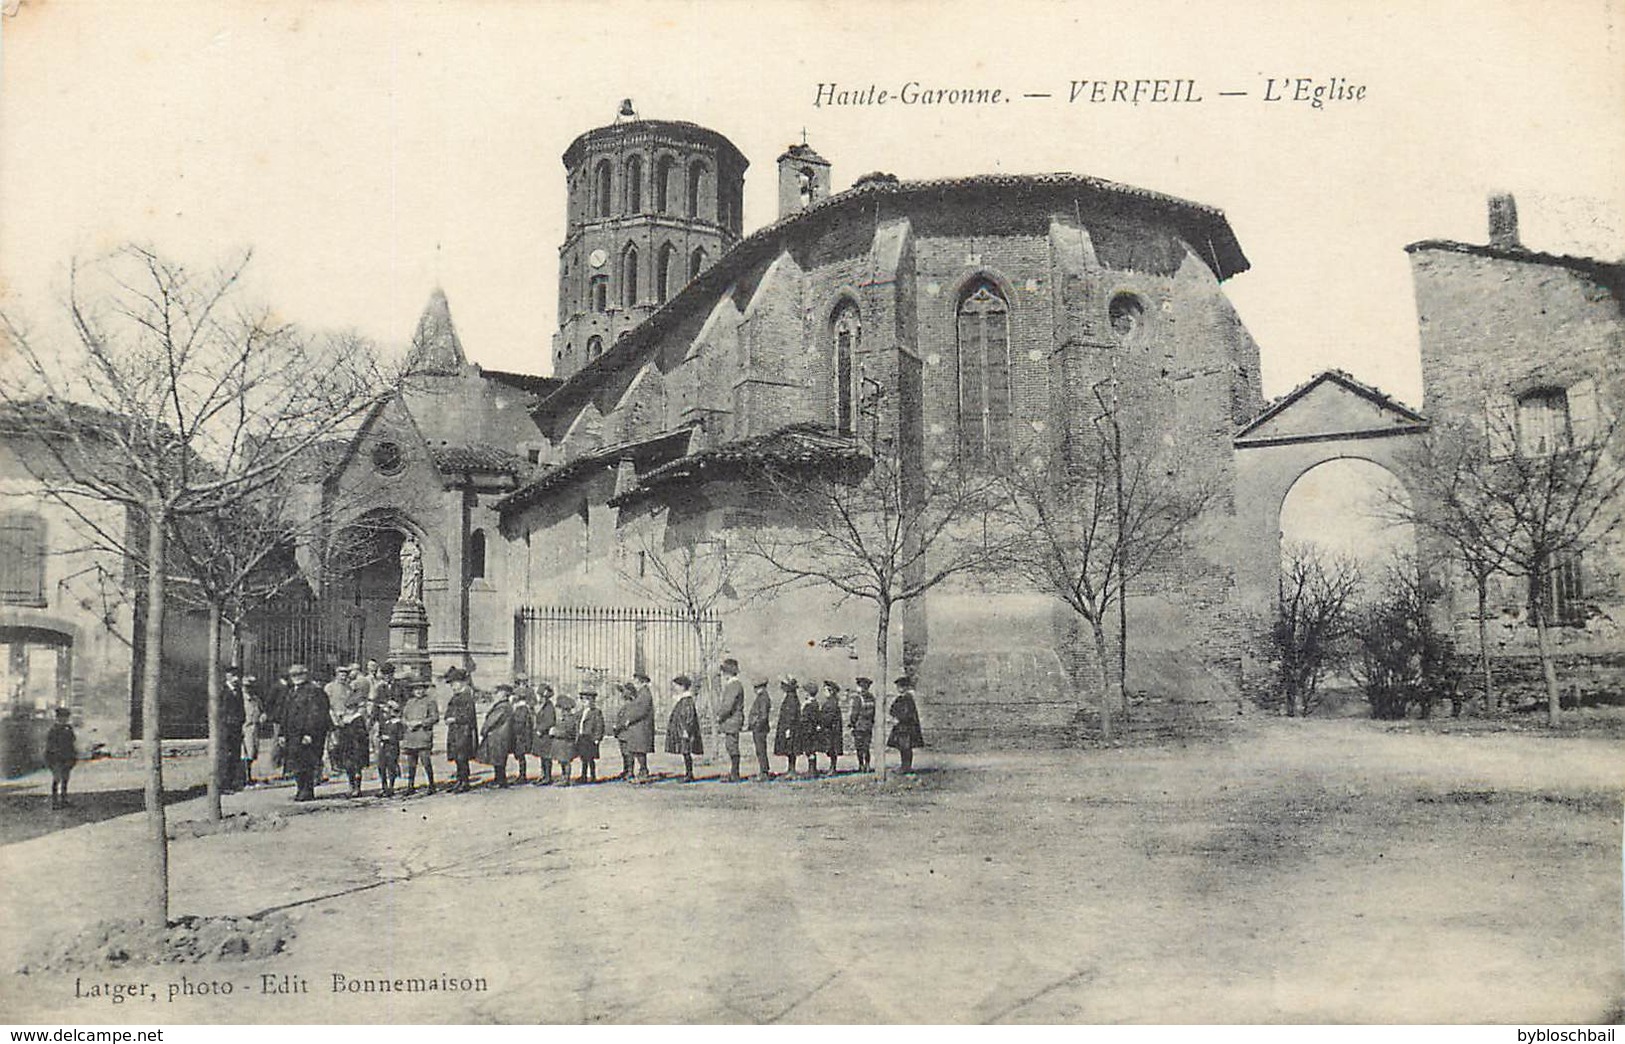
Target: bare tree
<point x="1523" y="503"/>
<point x="875" y="529"/>
<point x="174" y="399"/>
<point x="1314" y="611"/>
<point x="1094" y="518"/>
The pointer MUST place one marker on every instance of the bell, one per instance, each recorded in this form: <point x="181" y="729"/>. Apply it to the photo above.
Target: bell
<point x="627" y="112"/>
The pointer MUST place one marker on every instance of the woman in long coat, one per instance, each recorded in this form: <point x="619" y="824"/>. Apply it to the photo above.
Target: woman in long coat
<point x="683" y="727"/>
<point x="905" y="733"/>
<point x="497" y="738"/>
<point x="787" y="735"/>
<point x="563" y="734"/>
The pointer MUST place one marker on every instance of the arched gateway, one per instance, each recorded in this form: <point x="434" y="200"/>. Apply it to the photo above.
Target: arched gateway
<point x="1330" y="417"/>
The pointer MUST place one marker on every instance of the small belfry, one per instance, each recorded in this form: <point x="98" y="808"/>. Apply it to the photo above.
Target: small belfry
<point x="804" y="178"/>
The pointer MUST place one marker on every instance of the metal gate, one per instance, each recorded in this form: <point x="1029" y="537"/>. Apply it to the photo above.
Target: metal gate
<point x="299" y="633"/>
<point x="564" y="645"/>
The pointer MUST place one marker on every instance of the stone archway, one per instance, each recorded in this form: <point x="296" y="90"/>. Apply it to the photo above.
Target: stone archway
<point x="1332" y="417"/>
<point x="364" y="586"/>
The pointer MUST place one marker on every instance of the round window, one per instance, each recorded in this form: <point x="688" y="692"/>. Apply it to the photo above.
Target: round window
<point x="388" y="458"/>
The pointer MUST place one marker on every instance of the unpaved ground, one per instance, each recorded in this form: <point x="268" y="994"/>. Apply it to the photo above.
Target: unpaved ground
<point x="1297" y="871"/>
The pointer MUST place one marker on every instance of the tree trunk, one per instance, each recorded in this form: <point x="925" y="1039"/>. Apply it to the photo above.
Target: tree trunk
<point x="882" y="711"/>
<point x="1104" y="674"/>
<point x="1484" y="646"/>
<point x="1546" y="666"/>
<point x="216" y="741"/>
<point x="155" y="904"/>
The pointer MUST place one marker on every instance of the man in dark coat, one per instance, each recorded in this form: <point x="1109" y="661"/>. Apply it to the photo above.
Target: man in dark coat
<point x="623" y="720"/>
<point x="811" y="733"/>
<point x="862" y="723"/>
<point x="640" y="726"/>
<point x="731" y="715"/>
<point x="760" y="724"/>
<point x="588" y="735"/>
<point x="787" y="734"/>
<point x="683" y="727"/>
<point x="307" y="717"/>
<point x="461" y="725"/>
<point x="389" y="729"/>
<point x="905" y="733"/>
<point x="541" y="734"/>
<point x="497" y="738"/>
<point x="566" y="723"/>
<point x="524" y="724"/>
<point x="61" y="754"/>
<point x="350" y="746"/>
<point x="231" y="776"/>
<point x="832" y="724"/>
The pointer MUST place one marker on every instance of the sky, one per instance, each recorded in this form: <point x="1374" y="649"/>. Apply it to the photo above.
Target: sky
<point x="368" y="152"/>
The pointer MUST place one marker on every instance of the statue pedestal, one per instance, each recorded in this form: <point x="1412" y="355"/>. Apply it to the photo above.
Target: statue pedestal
<point x="409" y="640"/>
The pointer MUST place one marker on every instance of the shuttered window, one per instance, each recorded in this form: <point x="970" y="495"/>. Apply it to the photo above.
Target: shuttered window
<point x="22" y="558"/>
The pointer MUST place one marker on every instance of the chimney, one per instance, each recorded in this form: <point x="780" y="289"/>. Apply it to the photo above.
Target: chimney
<point x="803" y="179"/>
<point x="1504" y="221"/>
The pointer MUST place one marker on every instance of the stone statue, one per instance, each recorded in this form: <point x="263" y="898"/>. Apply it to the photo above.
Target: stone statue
<point x="411" y="571"/>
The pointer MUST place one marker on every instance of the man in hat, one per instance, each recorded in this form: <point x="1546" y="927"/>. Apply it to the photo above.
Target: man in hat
<point x="232" y="713"/>
<point x="861" y="721"/>
<point x="524" y="723"/>
<point x="640" y="725"/>
<point x="542" y="731"/>
<point x="566" y="723"/>
<point x="461" y="725"/>
<point x="731" y="715"/>
<point x="419" y="715"/>
<point x="623" y="720"/>
<point x="905" y="734"/>
<point x="787" y="733"/>
<point x="589" y="734"/>
<point x="683" y="727"/>
<point x="760" y="724"/>
<point x="308" y="718"/>
<point x="497" y="738"/>
<point x="61" y="754"/>
<point x="350" y="753"/>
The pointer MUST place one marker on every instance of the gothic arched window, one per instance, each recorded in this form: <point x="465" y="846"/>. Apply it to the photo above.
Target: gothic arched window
<point x="666" y="273"/>
<point x="696" y="263"/>
<point x="845" y="335"/>
<point x="696" y="187"/>
<point x="600" y="190"/>
<point x="634" y="185"/>
<point x="663" y="172"/>
<point x="982" y="373"/>
<point x="629" y="276"/>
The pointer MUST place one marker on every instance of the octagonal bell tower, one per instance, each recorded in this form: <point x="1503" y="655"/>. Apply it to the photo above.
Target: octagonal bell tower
<point x="651" y="204"/>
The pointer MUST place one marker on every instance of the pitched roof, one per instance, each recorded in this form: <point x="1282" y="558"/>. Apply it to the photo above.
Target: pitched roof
<point x="1202" y="225"/>
<point x="657" y="448"/>
<point x="533" y="383"/>
<point x="793" y="446"/>
<point x="436" y="348"/>
<point x="1404" y="418"/>
<point x="478" y="457"/>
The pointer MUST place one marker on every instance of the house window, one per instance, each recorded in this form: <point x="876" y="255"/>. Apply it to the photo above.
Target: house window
<point x="696" y="263"/>
<point x="600" y="293"/>
<point x="1543" y="422"/>
<point x="982" y="374"/>
<point x="629" y="276"/>
<point x="696" y="187"/>
<point x="595" y="347"/>
<point x="22" y="558"/>
<point x="600" y="191"/>
<point x="634" y="185"/>
<point x="663" y="172"/>
<point x="846" y="332"/>
<point x="666" y="274"/>
<point x="1558" y="597"/>
<point x="476" y="555"/>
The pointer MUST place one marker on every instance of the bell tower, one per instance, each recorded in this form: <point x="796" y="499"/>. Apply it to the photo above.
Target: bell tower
<point x="803" y="178"/>
<point x="650" y="204"/>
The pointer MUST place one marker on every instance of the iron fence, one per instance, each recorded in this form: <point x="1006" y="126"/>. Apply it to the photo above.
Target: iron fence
<point x="566" y="645"/>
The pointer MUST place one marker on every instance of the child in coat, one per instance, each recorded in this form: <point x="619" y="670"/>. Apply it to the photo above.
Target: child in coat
<point x="61" y="754"/>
